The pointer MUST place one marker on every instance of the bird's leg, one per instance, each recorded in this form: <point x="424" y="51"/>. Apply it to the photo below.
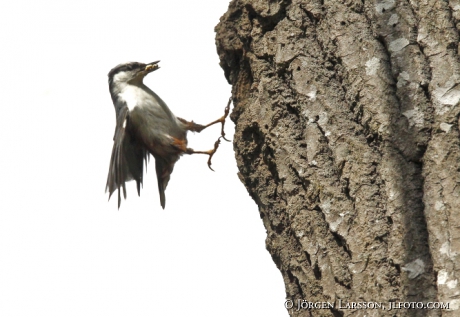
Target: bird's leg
<point x="195" y="127"/>
<point x="210" y="152"/>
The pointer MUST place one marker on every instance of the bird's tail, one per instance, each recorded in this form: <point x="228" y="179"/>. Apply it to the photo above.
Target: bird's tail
<point x="164" y="169"/>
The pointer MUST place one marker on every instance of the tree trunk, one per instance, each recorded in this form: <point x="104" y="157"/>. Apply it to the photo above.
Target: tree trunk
<point x="347" y="137"/>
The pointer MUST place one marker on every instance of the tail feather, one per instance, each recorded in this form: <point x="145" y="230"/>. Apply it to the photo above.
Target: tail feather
<point x="164" y="168"/>
<point x="162" y="194"/>
<point x="160" y="167"/>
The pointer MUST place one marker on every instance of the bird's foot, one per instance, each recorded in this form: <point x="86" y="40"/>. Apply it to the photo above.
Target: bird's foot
<point x="210" y="152"/>
<point x="195" y="127"/>
<point x="222" y="119"/>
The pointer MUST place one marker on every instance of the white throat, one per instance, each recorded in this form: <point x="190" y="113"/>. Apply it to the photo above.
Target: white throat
<point x="132" y="93"/>
<point x="133" y="96"/>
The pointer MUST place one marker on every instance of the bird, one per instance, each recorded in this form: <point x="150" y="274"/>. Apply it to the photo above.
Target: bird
<point x="146" y="126"/>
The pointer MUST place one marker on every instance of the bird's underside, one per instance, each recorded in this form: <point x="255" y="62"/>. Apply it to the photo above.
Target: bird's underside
<point x="145" y="125"/>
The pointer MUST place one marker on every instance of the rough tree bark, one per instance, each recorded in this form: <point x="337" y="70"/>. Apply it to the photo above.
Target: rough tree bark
<point x="347" y="137"/>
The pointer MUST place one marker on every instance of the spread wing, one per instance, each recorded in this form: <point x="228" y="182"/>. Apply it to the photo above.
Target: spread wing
<point x="127" y="159"/>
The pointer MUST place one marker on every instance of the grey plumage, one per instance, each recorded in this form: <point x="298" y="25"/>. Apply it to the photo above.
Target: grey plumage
<point x="144" y="124"/>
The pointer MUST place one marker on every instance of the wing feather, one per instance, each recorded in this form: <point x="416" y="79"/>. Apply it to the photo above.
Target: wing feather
<point x="128" y="156"/>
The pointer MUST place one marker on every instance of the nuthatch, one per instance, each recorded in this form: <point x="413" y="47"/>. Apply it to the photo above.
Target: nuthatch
<point x="145" y="125"/>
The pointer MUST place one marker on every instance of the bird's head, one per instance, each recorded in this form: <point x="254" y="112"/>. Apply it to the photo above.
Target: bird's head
<point x="131" y="73"/>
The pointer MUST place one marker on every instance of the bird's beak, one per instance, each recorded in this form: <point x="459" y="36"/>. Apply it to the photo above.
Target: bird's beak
<point x="152" y="67"/>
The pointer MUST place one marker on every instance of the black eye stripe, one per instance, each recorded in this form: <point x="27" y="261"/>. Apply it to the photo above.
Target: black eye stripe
<point x="125" y="67"/>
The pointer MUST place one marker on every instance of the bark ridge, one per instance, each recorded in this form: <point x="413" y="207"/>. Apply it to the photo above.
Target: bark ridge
<point x="347" y="137"/>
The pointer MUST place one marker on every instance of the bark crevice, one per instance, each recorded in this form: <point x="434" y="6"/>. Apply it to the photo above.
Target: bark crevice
<point x="347" y="137"/>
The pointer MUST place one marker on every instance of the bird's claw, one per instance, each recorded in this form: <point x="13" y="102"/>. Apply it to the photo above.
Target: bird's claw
<point x="211" y="152"/>
<point x="227" y="110"/>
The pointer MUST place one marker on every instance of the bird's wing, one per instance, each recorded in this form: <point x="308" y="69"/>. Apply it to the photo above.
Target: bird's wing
<point x="127" y="158"/>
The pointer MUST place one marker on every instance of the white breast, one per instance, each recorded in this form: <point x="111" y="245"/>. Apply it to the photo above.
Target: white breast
<point x="133" y="96"/>
<point x="146" y="101"/>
